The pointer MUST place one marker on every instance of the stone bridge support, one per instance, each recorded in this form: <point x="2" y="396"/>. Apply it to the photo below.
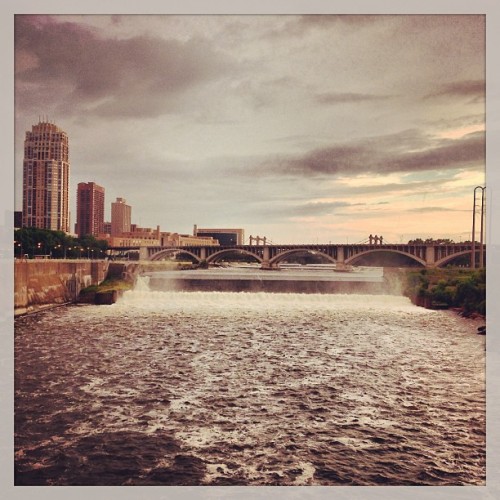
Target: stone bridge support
<point x="266" y="258"/>
<point x="144" y="253"/>
<point x="429" y="256"/>
<point x="340" y="255"/>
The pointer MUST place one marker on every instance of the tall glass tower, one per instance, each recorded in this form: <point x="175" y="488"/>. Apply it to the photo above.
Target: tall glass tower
<point x="46" y="178"/>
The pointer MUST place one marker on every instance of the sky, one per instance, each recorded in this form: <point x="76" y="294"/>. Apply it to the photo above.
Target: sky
<point x="303" y="129"/>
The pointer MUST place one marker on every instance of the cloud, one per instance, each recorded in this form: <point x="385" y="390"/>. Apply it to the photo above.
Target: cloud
<point x="319" y="21"/>
<point x="348" y="97"/>
<point x="461" y="122"/>
<point x="318" y="208"/>
<point x="141" y="76"/>
<point x="423" y="210"/>
<point x="393" y="187"/>
<point x="408" y="151"/>
<point x="475" y="89"/>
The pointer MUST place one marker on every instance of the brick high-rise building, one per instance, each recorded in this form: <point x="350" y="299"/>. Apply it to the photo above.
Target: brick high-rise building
<point x="121" y="217"/>
<point x="46" y="178"/>
<point x="89" y="209"/>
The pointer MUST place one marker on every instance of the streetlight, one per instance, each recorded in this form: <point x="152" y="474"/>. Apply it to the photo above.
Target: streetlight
<point x="20" y="245"/>
<point x="59" y="246"/>
<point x="481" y="240"/>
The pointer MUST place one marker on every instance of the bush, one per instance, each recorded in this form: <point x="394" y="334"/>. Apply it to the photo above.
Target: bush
<point x="463" y="289"/>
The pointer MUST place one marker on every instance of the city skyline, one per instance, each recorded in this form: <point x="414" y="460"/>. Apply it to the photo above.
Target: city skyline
<point x="297" y="128"/>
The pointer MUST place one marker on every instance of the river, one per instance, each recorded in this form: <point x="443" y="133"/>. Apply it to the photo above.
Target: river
<point x="171" y="387"/>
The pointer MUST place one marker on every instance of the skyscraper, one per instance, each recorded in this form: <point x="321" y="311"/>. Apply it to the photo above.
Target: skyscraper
<point x="89" y="209"/>
<point x="46" y="178"/>
<point x="121" y="217"/>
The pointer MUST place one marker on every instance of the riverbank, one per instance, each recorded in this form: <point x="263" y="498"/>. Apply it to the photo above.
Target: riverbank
<point x="119" y="278"/>
<point x="462" y="290"/>
<point x="39" y="285"/>
<point x="107" y="292"/>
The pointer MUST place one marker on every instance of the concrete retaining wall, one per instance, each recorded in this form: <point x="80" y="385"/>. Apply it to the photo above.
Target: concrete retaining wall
<point x="43" y="283"/>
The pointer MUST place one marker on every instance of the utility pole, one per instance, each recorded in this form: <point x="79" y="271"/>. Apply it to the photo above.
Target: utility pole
<point x="481" y="237"/>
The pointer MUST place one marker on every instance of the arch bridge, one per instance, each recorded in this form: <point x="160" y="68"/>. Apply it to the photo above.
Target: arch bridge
<point x="270" y="256"/>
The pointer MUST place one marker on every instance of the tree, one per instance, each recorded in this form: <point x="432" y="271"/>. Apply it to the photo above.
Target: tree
<point x="33" y="241"/>
<point x="431" y="241"/>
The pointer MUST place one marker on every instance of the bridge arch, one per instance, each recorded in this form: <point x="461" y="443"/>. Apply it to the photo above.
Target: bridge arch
<point x="287" y="253"/>
<point x="355" y="258"/>
<point x="449" y="258"/>
<point x="215" y="257"/>
<point x="172" y="251"/>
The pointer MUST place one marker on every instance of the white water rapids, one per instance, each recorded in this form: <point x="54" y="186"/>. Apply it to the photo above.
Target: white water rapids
<point x="212" y="388"/>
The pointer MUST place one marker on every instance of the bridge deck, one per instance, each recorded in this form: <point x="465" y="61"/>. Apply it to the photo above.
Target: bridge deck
<point x="271" y="255"/>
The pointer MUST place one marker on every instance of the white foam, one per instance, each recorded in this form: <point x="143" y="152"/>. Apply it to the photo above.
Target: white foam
<point x="141" y="297"/>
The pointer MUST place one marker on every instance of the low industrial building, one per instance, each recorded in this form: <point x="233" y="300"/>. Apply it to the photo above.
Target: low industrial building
<point x="147" y="237"/>
<point x="225" y="237"/>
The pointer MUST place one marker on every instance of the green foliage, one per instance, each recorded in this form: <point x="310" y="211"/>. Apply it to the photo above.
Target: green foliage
<point x="471" y="293"/>
<point x="32" y="241"/>
<point x="465" y="289"/>
<point x="417" y="284"/>
<point x="431" y="241"/>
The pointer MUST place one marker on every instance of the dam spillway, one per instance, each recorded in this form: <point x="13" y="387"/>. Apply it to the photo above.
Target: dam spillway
<point x="292" y="280"/>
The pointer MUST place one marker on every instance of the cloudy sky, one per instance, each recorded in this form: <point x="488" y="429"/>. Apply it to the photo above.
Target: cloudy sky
<point x="316" y="128"/>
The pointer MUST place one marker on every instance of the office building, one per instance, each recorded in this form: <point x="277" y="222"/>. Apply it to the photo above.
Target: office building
<point x="46" y="178"/>
<point x="121" y="217"/>
<point x="168" y="239"/>
<point x="89" y="209"/>
<point x="226" y="237"/>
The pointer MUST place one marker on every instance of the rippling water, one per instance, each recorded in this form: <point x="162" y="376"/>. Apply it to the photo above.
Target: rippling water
<point x="216" y="388"/>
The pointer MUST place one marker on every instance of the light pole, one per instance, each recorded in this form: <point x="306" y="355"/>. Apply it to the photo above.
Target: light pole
<point x="20" y="245"/>
<point x="59" y="247"/>
<point x="481" y="239"/>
